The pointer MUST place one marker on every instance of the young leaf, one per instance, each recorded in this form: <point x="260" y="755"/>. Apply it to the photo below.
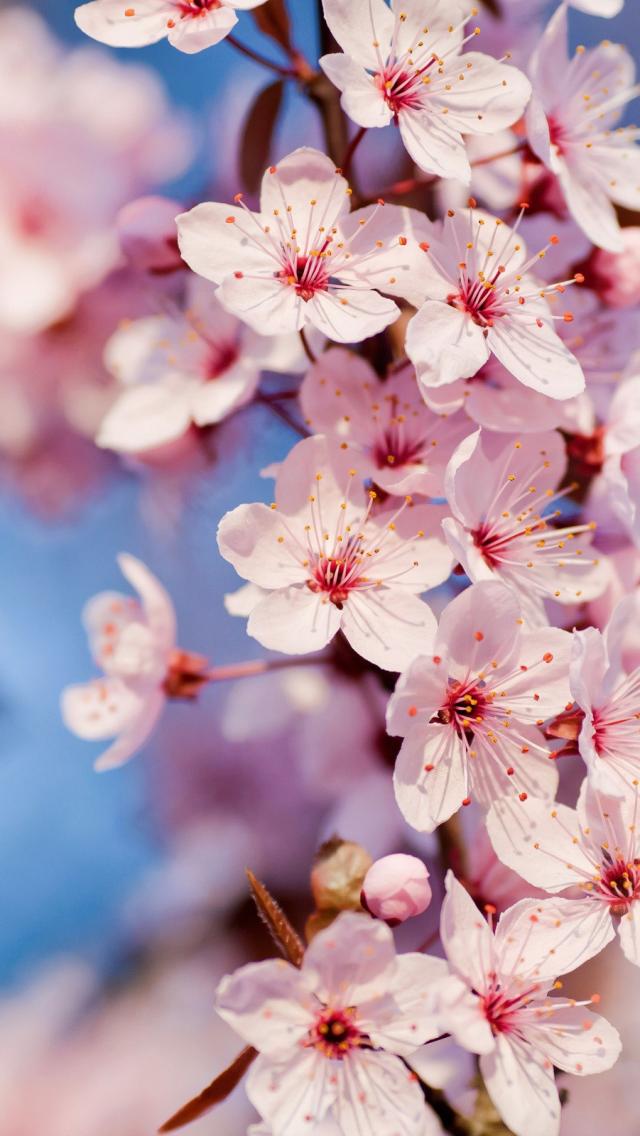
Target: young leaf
<point x="273" y="19"/>
<point x="257" y="134"/>
<point x="214" y="1094"/>
<point x="282" y="933"/>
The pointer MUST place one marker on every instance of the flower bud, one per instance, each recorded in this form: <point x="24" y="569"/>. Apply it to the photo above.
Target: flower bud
<point x="148" y="235"/>
<point x="338" y="875"/>
<point x="396" y="888"/>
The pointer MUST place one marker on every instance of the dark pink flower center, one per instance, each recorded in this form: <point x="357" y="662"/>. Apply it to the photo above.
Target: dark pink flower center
<point x="479" y="299"/>
<point x="221" y="357"/>
<point x="464" y="707"/>
<point x="192" y="8"/>
<point x="394" y="448"/>
<point x="558" y="134"/>
<point x="335" y="1033"/>
<point x="401" y="89"/>
<point x="619" y="883"/>
<point x="307" y="274"/>
<point x="337" y="576"/>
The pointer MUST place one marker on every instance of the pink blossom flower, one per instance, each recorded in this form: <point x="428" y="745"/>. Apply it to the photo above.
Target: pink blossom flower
<point x="195" y="365"/>
<point x="330" y="1035"/>
<point x="396" y="888"/>
<point x="189" y="25"/>
<point x="404" y="64"/>
<point x="616" y="275"/>
<point x="397" y="442"/>
<point x="500" y="493"/>
<point x="148" y="235"/>
<point x="594" y="850"/>
<point x="573" y="129"/>
<point x="609" y="698"/>
<point x="482" y="302"/>
<point x="304" y="258"/>
<point x="470" y="713"/>
<point x="497" y="1004"/>
<point x="327" y="562"/>
<point x="133" y="641"/>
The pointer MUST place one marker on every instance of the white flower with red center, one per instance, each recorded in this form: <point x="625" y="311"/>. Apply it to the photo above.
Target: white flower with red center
<point x="470" y="713"/>
<point x="304" y="258"/>
<point x="483" y="301"/>
<point x="189" y="25"/>
<point x="404" y="64"/>
<point x="332" y="1036"/>
<point x="502" y="495"/>
<point x="134" y="641"/>
<point x="573" y="128"/>
<point x="497" y="1003"/>
<point x="594" y="850"/>
<point x="327" y="561"/>
<point x="383" y="426"/>
<point x="189" y="366"/>
<point x="609" y="697"/>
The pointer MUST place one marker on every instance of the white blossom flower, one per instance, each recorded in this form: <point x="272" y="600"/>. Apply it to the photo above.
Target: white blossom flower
<point x="304" y="258"/>
<point x="404" y="64"/>
<point x="326" y="561"/>
<point x="573" y="128"/>
<point x="331" y="1036"/>
<point x="189" y="25"/>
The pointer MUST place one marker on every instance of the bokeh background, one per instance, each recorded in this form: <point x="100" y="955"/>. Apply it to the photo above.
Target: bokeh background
<point x="117" y="891"/>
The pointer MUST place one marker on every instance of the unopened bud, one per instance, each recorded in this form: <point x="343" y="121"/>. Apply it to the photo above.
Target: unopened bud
<point x="396" y="888"/>
<point x="338" y="874"/>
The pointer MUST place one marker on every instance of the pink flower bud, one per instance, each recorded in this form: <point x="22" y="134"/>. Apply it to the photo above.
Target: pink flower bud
<point x="148" y="235"/>
<point x="616" y="275"/>
<point x="396" y="888"/>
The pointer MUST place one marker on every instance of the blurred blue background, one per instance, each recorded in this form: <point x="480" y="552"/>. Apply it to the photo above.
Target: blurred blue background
<point x="72" y="843"/>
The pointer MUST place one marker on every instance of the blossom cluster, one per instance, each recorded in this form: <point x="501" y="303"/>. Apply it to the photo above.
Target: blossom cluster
<point x="445" y="569"/>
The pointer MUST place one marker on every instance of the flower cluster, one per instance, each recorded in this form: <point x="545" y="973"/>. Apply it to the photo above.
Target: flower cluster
<point x="447" y="565"/>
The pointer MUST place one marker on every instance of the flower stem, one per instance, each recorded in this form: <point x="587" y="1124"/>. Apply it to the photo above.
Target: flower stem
<point x="351" y="149"/>
<point x="283" y="414"/>
<point x="286" y="72"/>
<point x="261" y="666"/>
<point x="307" y="349"/>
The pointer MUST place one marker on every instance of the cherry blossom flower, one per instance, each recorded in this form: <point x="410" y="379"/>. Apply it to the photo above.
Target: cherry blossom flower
<point x="594" y="850"/>
<point x="189" y="25"/>
<point x="470" y="713"/>
<point x="573" y="129"/>
<point x="396" y="888"/>
<point x="609" y="698"/>
<point x="404" y="64"/>
<point x="500" y="492"/>
<point x="327" y="562"/>
<point x="195" y="365"/>
<point x="385" y="427"/>
<point x="147" y="234"/>
<point x="133" y="640"/>
<point x="484" y="302"/>
<point x="497" y="1004"/>
<point x="616" y="275"/>
<point x="331" y="1035"/>
<point x="304" y="258"/>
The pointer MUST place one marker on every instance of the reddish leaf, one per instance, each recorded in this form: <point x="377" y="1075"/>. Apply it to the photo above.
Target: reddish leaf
<point x="214" y="1093"/>
<point x="257" y="134"/>
<point x="282" y="933"/>
<point x="273" y="19"/>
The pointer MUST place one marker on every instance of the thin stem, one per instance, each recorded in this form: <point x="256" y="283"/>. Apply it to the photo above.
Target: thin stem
<point x="283" y="414"/>
<point x="497" y="157"/>
<point x="453" y="853"/>
<point x="261" y="666"/>
<point x="286" y="72"/>
<point x="351" y="149"/>
<point x="307" y="349"/>
<point x="408" y="185"/>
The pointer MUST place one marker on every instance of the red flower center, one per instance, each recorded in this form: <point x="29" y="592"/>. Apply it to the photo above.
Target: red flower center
<point x="479" y="299"/>
<point x="337" y="576"/>
<point x="401" y="89"/>
<point x="192" y="8"/>
<point x="619" y="883"/>
<point x="307" y="274"/>
<point x="392" y="448"/>
<point x="464" y="706"/>
<point x="335" y="1033"/>
<point x="221" y="357"/>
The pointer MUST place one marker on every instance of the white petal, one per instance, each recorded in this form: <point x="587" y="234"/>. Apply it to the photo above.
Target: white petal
<point x="431" y="777"/>
<point x="444" y="344"/>
<point x="521" y="1085"/>
<point x="363" y="28"/>
<point x="294" y="620"/>
<point x="106" y="21"/>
